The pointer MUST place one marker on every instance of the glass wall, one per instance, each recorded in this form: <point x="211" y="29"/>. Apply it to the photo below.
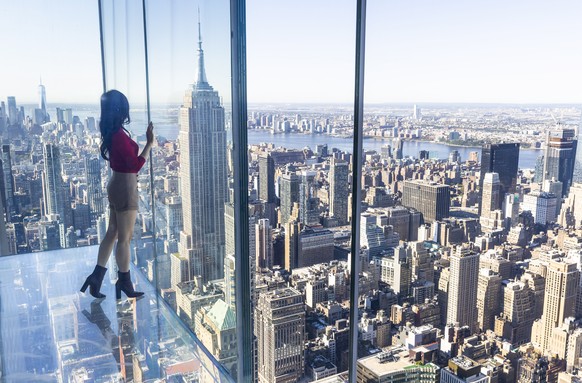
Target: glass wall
<point x="185" y="231"/>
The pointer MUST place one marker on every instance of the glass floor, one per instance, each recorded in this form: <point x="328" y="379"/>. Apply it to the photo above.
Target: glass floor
<point x="51" y="332"/>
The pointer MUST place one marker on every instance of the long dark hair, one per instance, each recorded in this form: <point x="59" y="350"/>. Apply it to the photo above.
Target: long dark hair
<point x="114" y="114"/>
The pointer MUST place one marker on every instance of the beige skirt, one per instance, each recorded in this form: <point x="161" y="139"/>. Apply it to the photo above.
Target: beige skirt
<point x="122" y="191"/>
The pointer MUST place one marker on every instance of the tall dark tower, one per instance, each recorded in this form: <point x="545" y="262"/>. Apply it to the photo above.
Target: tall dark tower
<point x="560" y="156"/>
<point x="267" y="179"/>
<point x="502" y="159"/>
<point x="7" y="183"/>
<point x="203" y="173"/>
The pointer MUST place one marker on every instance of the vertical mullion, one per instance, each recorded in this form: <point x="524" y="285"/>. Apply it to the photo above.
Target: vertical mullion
<point x="244" y="331"/>
<point x="356" y="185"/>
<point x="151" y="162"/>
<point x="100" y="6"/>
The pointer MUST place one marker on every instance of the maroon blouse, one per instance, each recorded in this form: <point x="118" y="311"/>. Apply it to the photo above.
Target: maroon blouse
<point x="123" y="156"/>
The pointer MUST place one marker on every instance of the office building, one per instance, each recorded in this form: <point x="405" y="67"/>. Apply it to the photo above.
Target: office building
<point x="559" y="157"/>
<point x="562" y="284"/>
<point x="431" y="199"/>
<point x="288" y="194"/>
<point x="308" y="201"/>
<point x="338" y="190"/>
<point x="394" y="365"/>
<point x="306" y="246"/>
<point x="13" y="113"/>
<point x="280" y="331"/>
<point x="517" y="312"/>
<point x="571" y="210"/>
<point x="488" y="293"/>
<point x="542" y="206"/>
<point x="203" y="177"/>
<point x="95" y="195"/>
<point x="463" y="370"/>
<point x="7" y="183"/>
<point x="54" y="191"/>
<point x="490" y="194"/>
<point x="264" y="244"/>
<point x="502" y="159"/>
<point x="464" y="275"/>
<point x="267" y="179"/>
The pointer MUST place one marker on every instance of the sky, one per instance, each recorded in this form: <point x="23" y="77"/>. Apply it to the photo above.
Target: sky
<point x="299" y="51"/>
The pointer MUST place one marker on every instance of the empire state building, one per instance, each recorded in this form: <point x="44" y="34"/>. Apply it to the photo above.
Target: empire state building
<point x="203" y="175"/>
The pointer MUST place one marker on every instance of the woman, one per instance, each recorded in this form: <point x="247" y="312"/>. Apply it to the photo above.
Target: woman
<point x="122" y="153"/>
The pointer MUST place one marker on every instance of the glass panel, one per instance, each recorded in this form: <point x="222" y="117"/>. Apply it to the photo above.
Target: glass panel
<point x="50" y="332"/>
<point x="189" y="74"/>
<point x="300" y="91"/>
<point x="454" y="126"/>
<point x="49" y="187"/>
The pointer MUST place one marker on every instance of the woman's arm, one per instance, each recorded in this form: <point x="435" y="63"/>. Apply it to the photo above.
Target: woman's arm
<point x="150" y="141"/>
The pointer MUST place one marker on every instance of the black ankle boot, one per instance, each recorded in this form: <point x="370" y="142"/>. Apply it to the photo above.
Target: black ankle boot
<point x="124" y="284"/>
<point x="94" y="281"/>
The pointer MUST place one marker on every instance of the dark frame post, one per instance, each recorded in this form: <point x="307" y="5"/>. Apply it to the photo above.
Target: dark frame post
<point x="244" y="329"/>
<point x="357" y="185"/>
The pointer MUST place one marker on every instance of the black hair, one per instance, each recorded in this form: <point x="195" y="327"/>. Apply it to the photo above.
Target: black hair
<point x="114" y="114"/>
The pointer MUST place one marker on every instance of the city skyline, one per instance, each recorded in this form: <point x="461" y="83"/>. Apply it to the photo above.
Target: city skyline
<point x="531" y="64"/>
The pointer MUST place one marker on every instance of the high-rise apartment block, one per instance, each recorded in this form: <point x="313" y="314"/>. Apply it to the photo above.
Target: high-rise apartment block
<point x="338" y="190"/>
<point x="433" y="200"/>
<point x="203" y="176"/>
<point x="280" y="331"/>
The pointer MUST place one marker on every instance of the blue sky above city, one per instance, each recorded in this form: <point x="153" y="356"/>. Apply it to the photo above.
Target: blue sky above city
<point x="303" y="51"/>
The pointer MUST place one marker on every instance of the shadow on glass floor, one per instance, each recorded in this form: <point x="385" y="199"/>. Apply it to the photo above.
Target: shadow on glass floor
<point x="51" y="332"/>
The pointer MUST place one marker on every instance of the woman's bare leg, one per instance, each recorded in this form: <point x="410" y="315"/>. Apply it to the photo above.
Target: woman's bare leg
<point x="106" y="245"/>
<point x="125" y="226"/>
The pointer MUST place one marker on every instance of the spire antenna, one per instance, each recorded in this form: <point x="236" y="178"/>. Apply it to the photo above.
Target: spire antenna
<point x="201" y="81"/>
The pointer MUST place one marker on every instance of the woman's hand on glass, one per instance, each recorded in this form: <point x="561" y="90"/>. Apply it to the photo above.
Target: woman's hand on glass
<point x="150" y="133"/>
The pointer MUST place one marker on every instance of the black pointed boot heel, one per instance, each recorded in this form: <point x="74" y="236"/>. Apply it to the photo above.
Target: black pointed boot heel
<point x="124" y="284"/>
<point x="94" y="282"/>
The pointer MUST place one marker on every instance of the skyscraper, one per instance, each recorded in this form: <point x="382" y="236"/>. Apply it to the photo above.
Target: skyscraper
<point x="289" y="194"/>
<point x="42" y="98"/>
<point x="431" y="199"/>
<point x="12" y="110"/>
<point x="488" y="293"/>
<point x="308" y="201"/>
<point x="502" y="159"/>
<point x="559" y="157"/>
<point x="490" y="194"/>
<point x="490" y="200"/>
<point x="267" y="179"/>
<point x="94" y="189"/>
<point x="204" y="176"/>
<point x="264" y="243"/>
<point x="7" y="183"/>
<point x="280" y="330"/>
<point x="562" y="282"/>
<point x="463" y="287"/>
<point x="338" y="190"/>
<point x="53" y="193"/>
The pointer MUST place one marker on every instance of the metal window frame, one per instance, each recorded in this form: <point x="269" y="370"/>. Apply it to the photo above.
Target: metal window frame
<point x="357" y="184"/>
